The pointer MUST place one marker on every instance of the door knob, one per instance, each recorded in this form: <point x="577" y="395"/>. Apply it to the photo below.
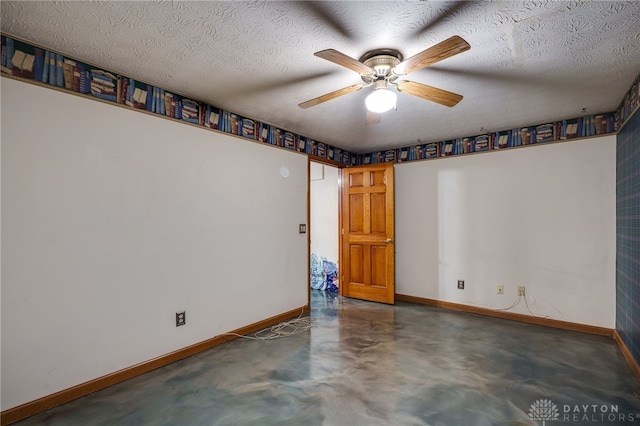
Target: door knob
<point x="388" y="240"/>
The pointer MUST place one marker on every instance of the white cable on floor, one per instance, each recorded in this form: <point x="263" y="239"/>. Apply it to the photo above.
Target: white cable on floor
<point x="528" y="309"/>
<point x="283" y="329"/>
<point x="517" y="301"/>
<point x="513" y="305"/>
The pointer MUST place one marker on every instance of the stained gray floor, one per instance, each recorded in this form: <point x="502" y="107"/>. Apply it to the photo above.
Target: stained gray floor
<point x="371" y="364"/>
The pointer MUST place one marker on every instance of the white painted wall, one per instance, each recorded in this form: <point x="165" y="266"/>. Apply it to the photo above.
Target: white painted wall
<point x="324" y="210"/>
<point x="113" y="220"/>
<point x="542" y="217"/>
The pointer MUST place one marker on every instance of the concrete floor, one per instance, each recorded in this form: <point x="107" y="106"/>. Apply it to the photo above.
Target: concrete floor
<point x="372" y="364"/>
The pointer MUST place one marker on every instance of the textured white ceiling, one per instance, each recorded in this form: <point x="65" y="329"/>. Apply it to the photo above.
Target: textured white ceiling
<point x="529" y="63"/>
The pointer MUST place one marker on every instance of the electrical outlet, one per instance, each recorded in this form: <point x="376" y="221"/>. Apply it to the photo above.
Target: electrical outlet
<point x="500" y="289"/>
<point x="302" y="228"/>
<point x="461" y="284"/>
<point x="520" y="290"/>
<point x="181" y="318"/>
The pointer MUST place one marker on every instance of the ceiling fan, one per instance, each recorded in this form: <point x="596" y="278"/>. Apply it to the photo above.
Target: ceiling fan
<point x="381" y="68"/>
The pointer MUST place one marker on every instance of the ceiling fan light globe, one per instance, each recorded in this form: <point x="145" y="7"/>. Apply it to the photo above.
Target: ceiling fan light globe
<point x="381" y="100"/>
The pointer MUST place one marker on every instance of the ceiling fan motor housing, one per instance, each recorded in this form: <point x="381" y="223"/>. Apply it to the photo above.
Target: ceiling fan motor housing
<point x="382" y="62"/>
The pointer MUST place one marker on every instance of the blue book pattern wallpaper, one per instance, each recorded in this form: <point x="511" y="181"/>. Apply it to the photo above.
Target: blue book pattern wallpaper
<point x="628" y="235"/>
<point x="580" y="127"/>
<point x="24" y="60"/>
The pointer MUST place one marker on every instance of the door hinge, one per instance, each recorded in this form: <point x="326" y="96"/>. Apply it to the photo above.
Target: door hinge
<point x="342" y="231"/>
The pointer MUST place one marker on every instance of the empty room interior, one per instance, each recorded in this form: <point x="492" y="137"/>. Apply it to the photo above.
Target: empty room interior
<point x="320" y="213"/>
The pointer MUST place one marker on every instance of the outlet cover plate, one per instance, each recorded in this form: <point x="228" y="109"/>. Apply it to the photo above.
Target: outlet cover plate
<point x="181" y="318"/>
<point x="461" y="284"/>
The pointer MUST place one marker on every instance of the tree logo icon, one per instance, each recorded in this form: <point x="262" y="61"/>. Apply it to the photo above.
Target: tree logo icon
<point x="545" y="410"/>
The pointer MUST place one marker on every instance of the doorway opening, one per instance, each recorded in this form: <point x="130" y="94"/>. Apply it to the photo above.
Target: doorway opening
<point x="351" y="225"/>
<point x="324" y="199"/>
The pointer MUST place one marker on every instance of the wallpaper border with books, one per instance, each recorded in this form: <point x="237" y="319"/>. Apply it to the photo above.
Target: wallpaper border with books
<point x="49" y="68"/>
<point x="586" y="126"/>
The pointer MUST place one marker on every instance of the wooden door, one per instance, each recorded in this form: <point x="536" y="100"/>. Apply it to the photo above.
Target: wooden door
<point x="367" y="233"/>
